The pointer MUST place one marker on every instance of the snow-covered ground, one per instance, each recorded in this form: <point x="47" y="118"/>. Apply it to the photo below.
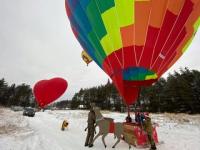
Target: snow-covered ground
<point x="42" y="132"/>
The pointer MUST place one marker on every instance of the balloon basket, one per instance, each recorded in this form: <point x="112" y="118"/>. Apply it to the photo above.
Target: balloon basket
<point x="136" y="136"/>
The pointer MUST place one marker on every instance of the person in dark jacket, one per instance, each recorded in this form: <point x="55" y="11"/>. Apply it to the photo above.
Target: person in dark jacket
<point x="139" y="118"/>
<point x="128" y="119"/>
<point x="90" y="127"/>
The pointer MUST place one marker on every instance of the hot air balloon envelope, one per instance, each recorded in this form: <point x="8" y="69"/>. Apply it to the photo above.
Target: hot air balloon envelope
<point x="134" y="41"/>
<point x="86" y="58"/>
<point x="47" y="91"/>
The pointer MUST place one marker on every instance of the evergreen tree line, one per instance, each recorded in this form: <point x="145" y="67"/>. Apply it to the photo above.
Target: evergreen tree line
<point x="16" y="95"/>
<point x="179" y="92"/>
<point x="61" y="104"/>
<point x="105" y="96"/>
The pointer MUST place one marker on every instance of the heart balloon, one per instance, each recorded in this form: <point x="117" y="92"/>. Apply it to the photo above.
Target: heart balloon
<point x="47" y="91"/>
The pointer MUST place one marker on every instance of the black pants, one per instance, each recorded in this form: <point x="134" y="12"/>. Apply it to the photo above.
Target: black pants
<point x="151" y="141"/>
<point x="90" y="136"/>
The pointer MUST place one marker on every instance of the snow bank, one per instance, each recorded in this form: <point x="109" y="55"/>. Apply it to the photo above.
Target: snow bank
<point x="11" y="122"/>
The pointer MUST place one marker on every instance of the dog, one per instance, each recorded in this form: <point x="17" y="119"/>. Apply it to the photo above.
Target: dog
<point x="64" y="125"/>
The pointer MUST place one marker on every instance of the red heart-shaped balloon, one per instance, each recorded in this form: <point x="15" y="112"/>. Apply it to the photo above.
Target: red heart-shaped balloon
<point x="47" y="91"/>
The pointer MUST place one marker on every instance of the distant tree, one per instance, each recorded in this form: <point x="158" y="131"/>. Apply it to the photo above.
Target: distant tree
<point x="62" y="104"/>
<point x="20" y="95"/>
<point x="75" y="101"/>
<point x="3" y="91"/>
<point x="23" y="95"/>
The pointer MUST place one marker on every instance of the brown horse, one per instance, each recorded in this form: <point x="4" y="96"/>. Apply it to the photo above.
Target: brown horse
<point x="107" y="125"/>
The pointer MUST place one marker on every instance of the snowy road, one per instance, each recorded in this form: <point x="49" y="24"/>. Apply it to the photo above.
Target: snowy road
<point x="42" y="132"/>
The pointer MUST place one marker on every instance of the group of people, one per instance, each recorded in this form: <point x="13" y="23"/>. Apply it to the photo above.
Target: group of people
<point x="143" y="119"/>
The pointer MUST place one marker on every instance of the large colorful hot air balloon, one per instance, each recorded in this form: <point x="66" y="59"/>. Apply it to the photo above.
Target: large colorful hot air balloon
<point x="134" y="41"/>
<point x="47" y="91"/>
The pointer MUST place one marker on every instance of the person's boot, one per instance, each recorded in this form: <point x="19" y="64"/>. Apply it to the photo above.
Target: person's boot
<point x="86" y="144"/>
<point x="153" y="147"/>
<point x="91" y="145"/>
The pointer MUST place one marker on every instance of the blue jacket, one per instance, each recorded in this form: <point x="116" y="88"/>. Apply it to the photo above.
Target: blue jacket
<point x="139" y="118"/>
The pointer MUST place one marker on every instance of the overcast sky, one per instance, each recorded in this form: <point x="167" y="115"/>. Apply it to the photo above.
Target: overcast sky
<point x="36" y="42"/>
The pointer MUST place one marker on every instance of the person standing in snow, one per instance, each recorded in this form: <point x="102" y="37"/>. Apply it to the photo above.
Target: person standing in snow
<point x="147" y="124"/>
<point x="91" y="127"/>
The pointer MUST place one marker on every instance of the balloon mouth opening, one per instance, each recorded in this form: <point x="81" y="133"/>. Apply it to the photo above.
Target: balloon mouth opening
<point x="130" y="80"/>
<point x="131" y="89"/>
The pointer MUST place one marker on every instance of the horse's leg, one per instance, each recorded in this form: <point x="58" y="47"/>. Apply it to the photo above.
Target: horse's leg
<point x="118" y="140"/>
<point x="96" y="136"/>
<point x="125" y="139"/>
<point x="103" y="139"/>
